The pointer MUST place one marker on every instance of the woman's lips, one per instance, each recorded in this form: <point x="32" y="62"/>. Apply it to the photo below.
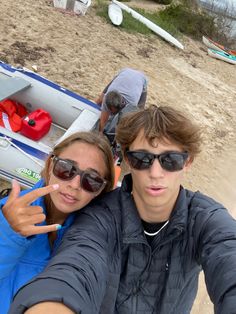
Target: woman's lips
<point x="67" y="198"/>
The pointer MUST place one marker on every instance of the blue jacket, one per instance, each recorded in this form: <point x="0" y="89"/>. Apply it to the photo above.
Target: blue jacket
<point x="22" y="258"/>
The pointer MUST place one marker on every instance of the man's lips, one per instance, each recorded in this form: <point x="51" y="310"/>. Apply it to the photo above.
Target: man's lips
<point x="155" y="190"/>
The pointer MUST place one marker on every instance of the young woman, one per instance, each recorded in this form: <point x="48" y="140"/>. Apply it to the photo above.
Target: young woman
<point x="33" y="222"/>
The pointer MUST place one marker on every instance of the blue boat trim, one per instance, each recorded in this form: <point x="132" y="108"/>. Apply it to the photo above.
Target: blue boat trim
<point x="49" y="83"/>
<point x="28" y="149"/>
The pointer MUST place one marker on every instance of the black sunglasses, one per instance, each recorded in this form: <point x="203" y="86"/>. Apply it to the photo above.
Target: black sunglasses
<point x="169" y="161"/>
<point x="90" y="180"/>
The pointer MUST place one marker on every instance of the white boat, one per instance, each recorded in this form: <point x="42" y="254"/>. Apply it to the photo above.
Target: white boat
<point x="23" y="158"/>
<point x="216" y="46"/>
<point x="155" y="28"/>
<point x="222" y="56"/>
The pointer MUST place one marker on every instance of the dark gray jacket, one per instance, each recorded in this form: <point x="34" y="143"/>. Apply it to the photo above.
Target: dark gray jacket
<point x="106" y="266"/>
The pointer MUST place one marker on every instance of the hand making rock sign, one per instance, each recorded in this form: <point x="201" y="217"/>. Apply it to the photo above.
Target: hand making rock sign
<point x="24" y="217"/>
<point x="33" y="222"/>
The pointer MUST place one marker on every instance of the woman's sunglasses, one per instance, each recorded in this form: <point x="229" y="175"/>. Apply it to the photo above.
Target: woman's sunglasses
<point x="169" y="161"/>
<point x="90" y="180"/>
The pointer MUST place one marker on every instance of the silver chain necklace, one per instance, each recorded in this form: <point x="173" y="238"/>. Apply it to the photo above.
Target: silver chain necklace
<point x="155" y="233"/>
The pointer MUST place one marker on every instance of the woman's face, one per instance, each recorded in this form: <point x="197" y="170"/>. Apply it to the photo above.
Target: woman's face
<point x="70" y="196"/>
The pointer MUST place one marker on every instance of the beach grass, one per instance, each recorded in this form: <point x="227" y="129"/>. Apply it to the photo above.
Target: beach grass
<point x="132" y="25"/>
<point x="176" y="19"/>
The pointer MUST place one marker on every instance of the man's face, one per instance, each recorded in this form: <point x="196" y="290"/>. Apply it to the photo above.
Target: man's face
<point x="155" y="190"/>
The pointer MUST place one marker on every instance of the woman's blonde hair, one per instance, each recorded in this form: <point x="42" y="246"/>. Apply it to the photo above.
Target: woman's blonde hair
<point x="91" y="138"/>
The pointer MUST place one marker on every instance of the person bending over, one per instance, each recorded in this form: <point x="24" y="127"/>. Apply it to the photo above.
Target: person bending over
<point x="140" y="248"/>
<point x="33" y="222"/>
<point x="128" y="88"/>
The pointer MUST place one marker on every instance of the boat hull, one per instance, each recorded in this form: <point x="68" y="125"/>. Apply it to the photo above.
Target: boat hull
<point x="22" y="158"/>
<point x="224" y="56"/>
<point x="216" y="46"/>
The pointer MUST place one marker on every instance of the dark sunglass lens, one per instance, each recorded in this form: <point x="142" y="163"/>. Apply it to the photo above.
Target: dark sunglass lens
<point x="172" y="161"/>
<point x="64" y="170"/>
<point x="139" y="160"/>
<point x="91" y="182"/>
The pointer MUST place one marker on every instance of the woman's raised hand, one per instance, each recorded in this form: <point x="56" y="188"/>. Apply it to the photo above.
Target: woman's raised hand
<point x="23" y="217"/>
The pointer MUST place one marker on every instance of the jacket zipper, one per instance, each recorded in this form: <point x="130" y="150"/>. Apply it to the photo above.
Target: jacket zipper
<point x="169" y="239"/>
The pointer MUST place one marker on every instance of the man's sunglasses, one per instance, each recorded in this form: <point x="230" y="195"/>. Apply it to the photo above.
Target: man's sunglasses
<point x="90" y="180"/>
<point x="169" y="161"/>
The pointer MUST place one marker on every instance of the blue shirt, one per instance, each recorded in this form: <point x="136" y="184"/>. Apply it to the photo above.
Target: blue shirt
<point x="23" y="258"/>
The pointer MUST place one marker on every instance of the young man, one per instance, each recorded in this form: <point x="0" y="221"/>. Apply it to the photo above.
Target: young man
<point x="140" y="248"/>
<point x="128" y="88"/>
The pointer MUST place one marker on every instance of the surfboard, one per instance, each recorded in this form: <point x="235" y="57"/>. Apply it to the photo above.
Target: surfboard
<point x="222" y="56"/>
<point x="115" y="14"/>
<point x="155" y="28"/>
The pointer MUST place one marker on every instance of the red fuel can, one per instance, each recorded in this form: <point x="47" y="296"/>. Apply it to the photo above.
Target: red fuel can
<point x="36" y="124"/>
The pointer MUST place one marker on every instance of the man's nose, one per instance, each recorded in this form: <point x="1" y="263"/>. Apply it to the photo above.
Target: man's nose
<point x="156" y="169"/>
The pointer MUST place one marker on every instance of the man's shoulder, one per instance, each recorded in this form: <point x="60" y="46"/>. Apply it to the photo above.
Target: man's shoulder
<point x="201" y="207"/>
<point x="109" y="200"/>
<point x="102" y="210"/>
<point x="203" y="201"/>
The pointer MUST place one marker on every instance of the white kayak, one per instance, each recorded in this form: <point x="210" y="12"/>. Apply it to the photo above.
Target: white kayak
<point x="222" y="56"/>
<point x="216" y="46"/>
<point x="155" y="28"/>
<point x="115" y="14"/>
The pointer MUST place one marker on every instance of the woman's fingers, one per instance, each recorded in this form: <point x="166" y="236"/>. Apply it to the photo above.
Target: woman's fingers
<point x="27" y="225"/>
<point x="15" y="191"/>
<point x="35" y="194"/>
<point x="30" y="210"/>
<point x="29" y="220"/>
<point x="15" y="201"/>
<point x="32" y="229"/>
<point x="21" y="215"/>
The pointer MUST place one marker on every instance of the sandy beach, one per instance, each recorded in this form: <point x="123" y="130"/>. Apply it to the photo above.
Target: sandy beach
<point x="83" y="53"/>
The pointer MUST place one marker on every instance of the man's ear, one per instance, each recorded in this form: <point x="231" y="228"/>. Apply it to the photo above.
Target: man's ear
<point x="188" y="163"/>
